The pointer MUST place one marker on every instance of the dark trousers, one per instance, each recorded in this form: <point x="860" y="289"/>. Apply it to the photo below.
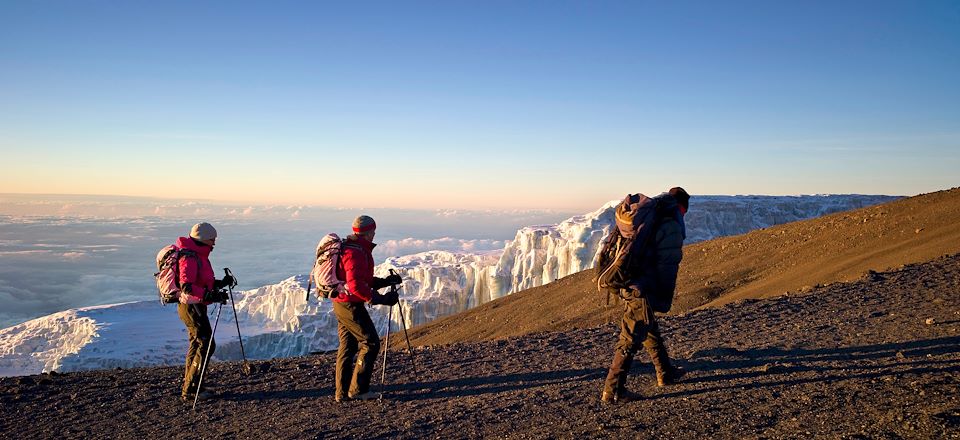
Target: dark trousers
<point x="358" y="337"/>
<point x="200" y="335"/>
<point x="637" y="327"/>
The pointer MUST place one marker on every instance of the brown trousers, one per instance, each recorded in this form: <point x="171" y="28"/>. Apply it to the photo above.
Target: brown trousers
<point x="200" y="335"/>
<point x="358" y="337"/>
<point x="637" y="327"/>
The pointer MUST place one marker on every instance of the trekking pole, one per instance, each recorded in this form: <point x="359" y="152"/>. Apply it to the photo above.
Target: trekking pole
<point x="309" y="280"/>
<point x="246" y="365"/>
<point x="413" y="358"/>
<point x="403" y="321"/>
<point x="386" y="348"/>
<point x="206" y="359"/>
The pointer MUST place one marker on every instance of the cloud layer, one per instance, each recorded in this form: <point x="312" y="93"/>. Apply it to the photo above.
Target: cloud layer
<point x="51" y="261"/>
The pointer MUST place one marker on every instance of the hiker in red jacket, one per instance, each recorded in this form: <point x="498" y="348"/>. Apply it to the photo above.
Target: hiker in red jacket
<point x="199" y="288"/>
<point x="358" y="336"/>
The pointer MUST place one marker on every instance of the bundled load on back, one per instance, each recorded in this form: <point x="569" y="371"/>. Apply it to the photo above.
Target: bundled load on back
<point x="630" y="259"/>
<point x="624" y="246"/>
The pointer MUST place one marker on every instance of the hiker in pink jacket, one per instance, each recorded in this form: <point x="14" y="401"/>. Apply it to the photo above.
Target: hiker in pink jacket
<point x="199" y="288"/>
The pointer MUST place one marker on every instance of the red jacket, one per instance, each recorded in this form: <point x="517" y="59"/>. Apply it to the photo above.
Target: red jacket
<point x="197" y="272"/>
<point x="356" y="269"/>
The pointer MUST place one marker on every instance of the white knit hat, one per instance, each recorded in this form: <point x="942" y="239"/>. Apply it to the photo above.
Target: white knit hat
<point x="203" y="231"/>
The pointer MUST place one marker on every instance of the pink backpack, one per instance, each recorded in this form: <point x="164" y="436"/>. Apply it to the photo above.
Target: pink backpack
<point x="324" y="272"/>
<point x="168" y="272"/>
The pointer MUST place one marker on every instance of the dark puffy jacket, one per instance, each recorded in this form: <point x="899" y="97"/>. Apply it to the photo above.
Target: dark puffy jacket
<point x="196" y="274"/>
<point x="356" y="269"/>
<point x="657" y="280"/>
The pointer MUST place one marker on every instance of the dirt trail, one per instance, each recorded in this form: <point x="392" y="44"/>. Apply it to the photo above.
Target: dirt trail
<point x="874" y="358"/>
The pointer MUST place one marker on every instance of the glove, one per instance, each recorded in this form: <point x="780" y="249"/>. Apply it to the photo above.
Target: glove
<point x="379" y="283"/>
<point x="215" y="296"/>
<point x="393" y="279"/>
<point x="390" y="298"/>
<point x="226" y="281"/>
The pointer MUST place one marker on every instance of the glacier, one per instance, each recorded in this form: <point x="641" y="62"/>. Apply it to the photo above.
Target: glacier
<point x="279" y="321"/>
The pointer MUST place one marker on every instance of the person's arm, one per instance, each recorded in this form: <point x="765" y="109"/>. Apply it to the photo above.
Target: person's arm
<point x="189" y="268"/>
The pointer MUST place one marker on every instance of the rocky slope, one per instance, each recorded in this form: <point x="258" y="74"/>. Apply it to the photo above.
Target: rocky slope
<point x="877" y="357"/>
<point x="792" y="257"/>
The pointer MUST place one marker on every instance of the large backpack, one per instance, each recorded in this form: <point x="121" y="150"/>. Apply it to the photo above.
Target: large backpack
<point x="168" y="272"/>
<point x="324" y="271"/>
<point x="624" y="248"/>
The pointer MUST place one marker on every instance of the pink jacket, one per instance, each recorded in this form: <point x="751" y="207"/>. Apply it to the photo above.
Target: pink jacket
<point x="356" y="269"/>
<point x="197" y="272"/>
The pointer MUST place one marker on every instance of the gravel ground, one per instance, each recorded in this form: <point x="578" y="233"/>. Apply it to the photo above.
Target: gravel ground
<point x="874" y="358"/>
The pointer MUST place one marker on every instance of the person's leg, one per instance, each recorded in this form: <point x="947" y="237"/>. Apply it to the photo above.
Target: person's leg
<point x="633" y="329"/>
<point x="201" y="340"/>
<point x="356" y="321"/>
<point x="666" y="373"/>
<point x="205" y="336"/>
<point x="369" y="342"/>
<point x="345" y="351"/>
<point x="190" y="365"/>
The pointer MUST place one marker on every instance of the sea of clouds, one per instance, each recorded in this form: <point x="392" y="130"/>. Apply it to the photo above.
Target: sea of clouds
<point x="61" y="252"/>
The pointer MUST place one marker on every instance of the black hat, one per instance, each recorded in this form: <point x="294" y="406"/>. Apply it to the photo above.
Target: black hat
<point x="681" y="196"/>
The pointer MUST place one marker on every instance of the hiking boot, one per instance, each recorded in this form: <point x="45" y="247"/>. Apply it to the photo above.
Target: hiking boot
<point x="617" y="375"/>
<point x="369" y="395"/>
<point x="608" y="397"/>
<point x="669" y="377"/>
<point x="624" y="396"/>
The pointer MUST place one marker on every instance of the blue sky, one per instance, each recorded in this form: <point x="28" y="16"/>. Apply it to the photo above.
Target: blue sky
<point x="495" y="104"/>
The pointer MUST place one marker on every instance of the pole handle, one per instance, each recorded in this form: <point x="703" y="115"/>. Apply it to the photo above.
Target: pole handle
<point x="229" y="273"/>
